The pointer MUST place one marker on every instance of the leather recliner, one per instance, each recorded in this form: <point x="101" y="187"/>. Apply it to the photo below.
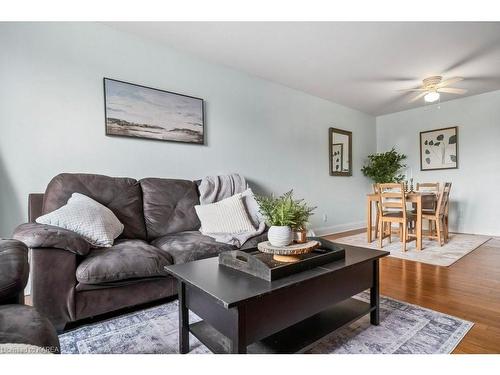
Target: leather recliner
<point x="20" y="324"/>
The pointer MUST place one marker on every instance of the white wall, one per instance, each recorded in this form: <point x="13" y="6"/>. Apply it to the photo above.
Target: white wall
<point x="52" y="121"/>
<point x="475" y="205"/>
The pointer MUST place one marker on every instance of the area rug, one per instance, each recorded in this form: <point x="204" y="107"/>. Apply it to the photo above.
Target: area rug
<point x="458" y="246"/>
<point x="404" y="328"/>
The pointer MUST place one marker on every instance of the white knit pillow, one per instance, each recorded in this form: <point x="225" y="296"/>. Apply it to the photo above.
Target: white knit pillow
<point x="226" y="216"/>
<point x="96" y="223"/>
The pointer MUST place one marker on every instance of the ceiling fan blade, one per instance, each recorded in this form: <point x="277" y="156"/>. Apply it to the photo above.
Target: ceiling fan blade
<point x="449" y="81"/>
<point x="412" y="90"/>
<point x="451" y="90"/>
<point x="417" y="97"/>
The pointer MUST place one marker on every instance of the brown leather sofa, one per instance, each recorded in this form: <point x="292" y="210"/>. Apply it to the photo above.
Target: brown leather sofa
<point x="72" y="281"/>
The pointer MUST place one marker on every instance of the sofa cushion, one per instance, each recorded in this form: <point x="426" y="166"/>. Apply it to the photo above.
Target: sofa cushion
<point x="254" y="241"/>
<point x="190" y="245"/>
<point x="121" y="195"/>
<point x="169" y="206"/>
<point x="126" y="259"/>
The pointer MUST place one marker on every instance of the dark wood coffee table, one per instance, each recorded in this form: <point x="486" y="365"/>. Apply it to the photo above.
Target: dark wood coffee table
<point x="242" y="313"/>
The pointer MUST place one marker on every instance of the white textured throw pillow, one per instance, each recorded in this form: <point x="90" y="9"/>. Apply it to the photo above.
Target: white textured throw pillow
<point x="252" y="207"/>
<point x="90" y="219"/>
<point x="226" y="216"/>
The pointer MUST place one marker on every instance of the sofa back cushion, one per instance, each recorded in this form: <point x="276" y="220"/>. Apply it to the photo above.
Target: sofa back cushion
<point x="169" y="206"/>
<point x="121" y="195"/>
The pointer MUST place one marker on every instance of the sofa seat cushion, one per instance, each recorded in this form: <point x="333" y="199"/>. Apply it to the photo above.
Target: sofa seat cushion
<point x="125" y="260"/>
<point x="190" y="245"/>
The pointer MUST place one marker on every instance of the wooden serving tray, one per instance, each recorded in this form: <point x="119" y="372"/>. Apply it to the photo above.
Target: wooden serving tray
<point x="265" y="266"/>
<point x="290" y="253"/>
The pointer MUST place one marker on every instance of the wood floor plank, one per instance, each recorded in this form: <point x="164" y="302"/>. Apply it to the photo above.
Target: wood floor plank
<point x="468" y="289"/>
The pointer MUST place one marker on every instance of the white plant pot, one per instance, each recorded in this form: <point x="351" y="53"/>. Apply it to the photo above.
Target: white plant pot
<point x="280" y="235"/>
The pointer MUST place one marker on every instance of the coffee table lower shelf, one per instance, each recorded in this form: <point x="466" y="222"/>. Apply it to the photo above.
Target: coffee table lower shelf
<point x="295" y="339"/>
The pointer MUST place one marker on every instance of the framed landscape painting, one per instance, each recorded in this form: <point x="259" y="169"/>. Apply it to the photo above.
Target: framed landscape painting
<point x="439" y="149"/>
<point x="144" y="112"/>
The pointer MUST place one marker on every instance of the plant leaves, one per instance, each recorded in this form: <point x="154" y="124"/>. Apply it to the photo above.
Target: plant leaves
<point x="384" y="167"/>
<point x="452" y="140"/>
<point x="428" y="160"/>
<point x="426" y="143"/>
<point x="437" y="143"/>
<point x="440" y="137"/>
<point x="453" y="158"/>
<point x="427" y="152"/>
<point x="431" y="143"/>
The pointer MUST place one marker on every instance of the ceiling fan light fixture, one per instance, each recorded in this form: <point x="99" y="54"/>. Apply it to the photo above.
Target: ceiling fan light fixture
<point x="431" y="97"/>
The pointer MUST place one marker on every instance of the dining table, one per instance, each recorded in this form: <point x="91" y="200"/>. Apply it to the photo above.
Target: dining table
<point x="418" y="198"/>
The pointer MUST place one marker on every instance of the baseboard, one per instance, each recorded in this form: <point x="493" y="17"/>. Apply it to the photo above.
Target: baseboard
<point x="323" y="231"/>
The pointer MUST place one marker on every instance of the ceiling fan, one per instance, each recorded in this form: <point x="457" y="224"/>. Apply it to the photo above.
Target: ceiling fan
<point x="432" y="86"/>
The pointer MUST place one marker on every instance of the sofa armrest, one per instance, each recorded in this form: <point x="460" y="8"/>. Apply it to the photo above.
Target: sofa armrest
<point x="47" y="236"/>
<point x="53" y="279"/>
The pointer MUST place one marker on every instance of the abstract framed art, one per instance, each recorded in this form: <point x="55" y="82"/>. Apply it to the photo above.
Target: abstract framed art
<point x="439" y="149"/>
<point x="143" y="112"/>
<point x="337" y="155"/>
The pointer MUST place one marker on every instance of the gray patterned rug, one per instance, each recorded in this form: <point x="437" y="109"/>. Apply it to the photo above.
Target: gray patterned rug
<point x="404" y="328"/>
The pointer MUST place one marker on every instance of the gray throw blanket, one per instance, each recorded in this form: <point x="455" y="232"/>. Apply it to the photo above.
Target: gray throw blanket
<point x="216" y="188"/>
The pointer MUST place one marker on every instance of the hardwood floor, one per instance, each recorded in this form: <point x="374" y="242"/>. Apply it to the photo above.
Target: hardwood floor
<point x="469" y="289"/>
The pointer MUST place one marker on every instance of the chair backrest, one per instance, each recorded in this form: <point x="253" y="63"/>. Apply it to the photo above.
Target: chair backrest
<point x="432" y="187"/>
<point x="392" y="197"/>
<point x="443" y="199"/>
<point x="428" y="186"/>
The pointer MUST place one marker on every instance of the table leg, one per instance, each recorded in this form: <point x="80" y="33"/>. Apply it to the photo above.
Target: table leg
<point x="375" y="296"/>
<point x="368" y="220"/>
<point x="183" y="320"/>
<point x="419" y="223"/>
<point x="238" y="340"/>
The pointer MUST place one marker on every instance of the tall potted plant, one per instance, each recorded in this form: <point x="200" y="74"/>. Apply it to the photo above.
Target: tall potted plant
<point x="284" y="215"/>
<point x="385" y="167"/>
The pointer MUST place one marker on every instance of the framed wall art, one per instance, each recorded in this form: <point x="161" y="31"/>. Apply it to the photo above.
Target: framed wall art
<point x="143" y="112"/>
<point x="439" y="149"/>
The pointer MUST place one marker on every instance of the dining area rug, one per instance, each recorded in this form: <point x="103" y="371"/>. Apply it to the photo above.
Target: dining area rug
<point x="458" y="246"/>
<point x="404" y="329"/>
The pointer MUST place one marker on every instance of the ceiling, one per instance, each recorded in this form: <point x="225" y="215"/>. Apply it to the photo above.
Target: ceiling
<point x="361" y="65"/>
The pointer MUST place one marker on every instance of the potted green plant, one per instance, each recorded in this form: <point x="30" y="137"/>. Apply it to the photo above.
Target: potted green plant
<point x="385" y="167"/>
<point x="283" y="214"/>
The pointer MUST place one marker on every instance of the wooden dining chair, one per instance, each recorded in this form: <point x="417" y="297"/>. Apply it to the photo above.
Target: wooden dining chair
<point x="438" y="216"/>
<point x="392" y="209"/>
<point x="428" y="205"/>
<point x="377" y="219"/>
